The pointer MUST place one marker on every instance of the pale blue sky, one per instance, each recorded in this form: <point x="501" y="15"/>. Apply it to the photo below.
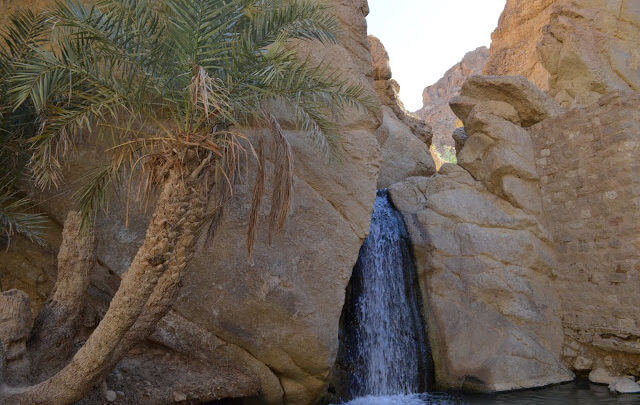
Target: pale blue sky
<point x="424" y="38"/>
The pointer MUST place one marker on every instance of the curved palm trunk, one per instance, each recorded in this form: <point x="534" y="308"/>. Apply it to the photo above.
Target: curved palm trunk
<point x="51" y="342"/>
<point x="163" y="256"/>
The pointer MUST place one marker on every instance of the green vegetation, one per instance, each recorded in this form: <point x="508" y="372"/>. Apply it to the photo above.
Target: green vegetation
<point x="446" y="155"/>
<point x="24" y="32"/>
<point x="166" y="89"/>
<point x="157" y="81"/>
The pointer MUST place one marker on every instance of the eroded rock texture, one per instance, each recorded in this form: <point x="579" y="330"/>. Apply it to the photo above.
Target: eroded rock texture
<point x="15" y="327"/>
<point x="404" y="138"/>
<point x="514" y="41"/>
<point x="586" y="160"/>
<point x="589" y="163"/>
<point x="485" y="260"/>
<point x="266" y="326"/>
<point x="591" y="47"/>
<point x="435" y="98"/>
<point x="576" y="50"/>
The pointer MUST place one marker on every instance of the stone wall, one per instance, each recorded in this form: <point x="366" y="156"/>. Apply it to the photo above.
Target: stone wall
<point x="588" y="160"/>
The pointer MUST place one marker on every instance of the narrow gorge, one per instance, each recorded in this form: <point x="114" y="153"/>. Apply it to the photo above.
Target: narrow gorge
<point x="510" y="276"/>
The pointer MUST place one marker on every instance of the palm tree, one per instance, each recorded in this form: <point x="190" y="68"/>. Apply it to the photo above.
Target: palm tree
<point x="24" y="32"/>
<point x="171" y="87"/>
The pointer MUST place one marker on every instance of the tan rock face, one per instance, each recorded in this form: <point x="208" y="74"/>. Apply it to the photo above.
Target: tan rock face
<point x="15" y="327"/>
<point x="513" y="45"/>
<point x="499" y="152"/>
<point x="485" y="260"/>
<point x="591" y="47"/>
<point x="484" y="268"/>
<point x="404" y="138"/>
<point x="380" y="59"/>
<point x="388" y="90"/>
<point x="576" y="50"/>
<point x="587" y="160"/>
<point x="274" y="318"/>
<point x="435" y="98"/>
<point x="403" y="154"/>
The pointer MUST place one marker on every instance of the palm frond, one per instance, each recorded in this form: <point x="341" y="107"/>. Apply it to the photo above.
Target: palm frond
<point x="183" y="75"/>
<point x="17" y="217"/>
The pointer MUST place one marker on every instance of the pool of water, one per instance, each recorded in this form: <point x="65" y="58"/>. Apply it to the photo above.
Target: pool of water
<point x="579" y="393"/>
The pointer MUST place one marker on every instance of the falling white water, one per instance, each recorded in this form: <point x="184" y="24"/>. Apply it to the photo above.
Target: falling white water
<point x="390" y="349"/>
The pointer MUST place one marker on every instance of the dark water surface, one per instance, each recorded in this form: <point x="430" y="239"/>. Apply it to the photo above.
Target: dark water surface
<point x="580" y="392"/>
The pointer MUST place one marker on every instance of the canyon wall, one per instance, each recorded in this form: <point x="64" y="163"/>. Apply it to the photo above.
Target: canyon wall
<point x="588" y="160"/>
<point x="404" y="138"/>
<point x="585" y="54"/>
<point x="485" y="260"/>
<point x="514" y="41"/>
<point x="435" y="98"/>
<point x="575" y="50"/>
<point x="267" y="326"/>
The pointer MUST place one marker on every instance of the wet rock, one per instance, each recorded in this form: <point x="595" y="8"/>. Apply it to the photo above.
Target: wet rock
<point x="601" y="376"/>
<point x="484" y="268"/>
<point x="624" y="386"/>
<point x="582" y="363"/>
<point x="110" y="396"/>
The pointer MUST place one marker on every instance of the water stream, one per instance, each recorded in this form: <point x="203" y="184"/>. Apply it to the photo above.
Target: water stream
<point x="383" y="343"/>
<point x="384" y="356"/>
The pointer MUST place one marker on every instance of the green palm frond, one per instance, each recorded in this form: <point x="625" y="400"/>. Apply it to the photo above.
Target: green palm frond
<point x="182" y="74"/>
<point x="16" y="216"/>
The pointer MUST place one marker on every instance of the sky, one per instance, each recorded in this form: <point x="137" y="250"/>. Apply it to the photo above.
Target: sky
<point x="424" y="38"/>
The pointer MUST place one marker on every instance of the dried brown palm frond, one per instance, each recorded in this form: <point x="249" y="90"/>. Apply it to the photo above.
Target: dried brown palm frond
<point x="171" y="85"/>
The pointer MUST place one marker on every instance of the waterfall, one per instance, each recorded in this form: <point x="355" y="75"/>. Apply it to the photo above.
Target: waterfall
<point x="383" y="350"/>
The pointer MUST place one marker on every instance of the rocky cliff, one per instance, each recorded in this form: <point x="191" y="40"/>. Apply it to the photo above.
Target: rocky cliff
<point x="265" y="327"/>
<point x="527" y="251"/>
<point x="514" y="41"/>
<point x="588" y="162"/>
<point x="404" y="138"/>
<point x="586" y="56"/>
<point x="576" y="50"/>
<point x="435" y="98"/>
<point x="484" y="258"/>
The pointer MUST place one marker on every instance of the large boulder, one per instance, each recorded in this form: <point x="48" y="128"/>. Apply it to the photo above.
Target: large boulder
<point x="403" y="154"/>
<point x="499" y="151"/>
<point x="435" y="98"/>
<point x="274" y="317"/>
<point x="484" y="267"/>
<point x="484" y="257"/>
